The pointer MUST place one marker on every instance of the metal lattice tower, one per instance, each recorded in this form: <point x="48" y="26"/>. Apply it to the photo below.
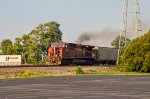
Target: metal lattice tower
<point x="131" y="23"/>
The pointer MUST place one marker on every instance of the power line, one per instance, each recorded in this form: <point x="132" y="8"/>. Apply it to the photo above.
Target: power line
<point x="131" y="23"/>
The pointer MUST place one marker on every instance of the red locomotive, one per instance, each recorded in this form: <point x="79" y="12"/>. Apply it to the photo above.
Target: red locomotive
<point x="71" y="53"/>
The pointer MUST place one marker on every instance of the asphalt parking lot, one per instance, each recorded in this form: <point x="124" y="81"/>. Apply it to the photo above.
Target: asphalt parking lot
<point x="77" y="87"/>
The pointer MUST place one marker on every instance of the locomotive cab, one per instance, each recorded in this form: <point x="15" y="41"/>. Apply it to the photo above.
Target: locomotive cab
<point x="55" y="53"/>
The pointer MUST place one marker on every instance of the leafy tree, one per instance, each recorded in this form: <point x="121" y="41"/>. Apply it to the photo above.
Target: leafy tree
<point x="34" y="45"/>
<point x="136" y="55"/>
<point x="115" y="43"/>
<point x="26" y="48"/>
<point x="43" y="35"/>
<point x="47" y="33"/>
<point x="0" y="49"/>
<point x="7" y="47"/>
<point x="17" y="47"/>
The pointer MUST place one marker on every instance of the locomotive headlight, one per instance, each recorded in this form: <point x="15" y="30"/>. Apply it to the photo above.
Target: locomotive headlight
<point x="66" y="46"/>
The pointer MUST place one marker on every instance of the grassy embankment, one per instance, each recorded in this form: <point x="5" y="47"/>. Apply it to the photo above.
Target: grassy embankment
<point x="109" y="71"/>
<point x="64" y="71"/>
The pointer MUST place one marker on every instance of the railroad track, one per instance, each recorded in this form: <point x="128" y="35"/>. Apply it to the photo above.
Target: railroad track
<point x="36" y="66"/>
<point x="20" y="66"/>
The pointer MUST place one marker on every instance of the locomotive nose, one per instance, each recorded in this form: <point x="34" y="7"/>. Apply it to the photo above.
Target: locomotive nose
<point x="54" y="55"/>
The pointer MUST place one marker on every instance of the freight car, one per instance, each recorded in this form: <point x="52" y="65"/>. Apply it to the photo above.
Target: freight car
<point x="105" y="55"/>
<point x="71" y="53"/>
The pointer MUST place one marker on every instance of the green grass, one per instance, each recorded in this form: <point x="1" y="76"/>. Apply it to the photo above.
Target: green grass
<point x="1" y="79"/>
<point x="29" y="74"/>
<point x="97" y="73"/>
<point x="26" y="74"/>
<point x="121" y="73"/>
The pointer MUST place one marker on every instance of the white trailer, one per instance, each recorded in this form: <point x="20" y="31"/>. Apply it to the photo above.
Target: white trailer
<point x="10" y="60"/>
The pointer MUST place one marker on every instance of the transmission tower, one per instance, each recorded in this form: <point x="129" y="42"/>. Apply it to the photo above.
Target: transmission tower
<point x="131" y="23"/>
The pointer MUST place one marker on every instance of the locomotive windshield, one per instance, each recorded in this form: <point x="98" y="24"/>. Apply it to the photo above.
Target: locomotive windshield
<point x="57" y="45"/>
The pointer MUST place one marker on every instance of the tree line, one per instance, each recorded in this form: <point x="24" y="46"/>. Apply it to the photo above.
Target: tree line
<point x="136" y="54"/>
<point x="33" y="46"/>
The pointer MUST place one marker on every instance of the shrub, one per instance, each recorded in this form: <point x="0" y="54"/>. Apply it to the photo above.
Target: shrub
<point x="79" y="70"/>
<point x="27" y="73"/>
<point x="136" y="56"/>
<point x="146" y="64"/>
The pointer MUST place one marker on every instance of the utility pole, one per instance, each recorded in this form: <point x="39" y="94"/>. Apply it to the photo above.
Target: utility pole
<point x="131" y="23"/>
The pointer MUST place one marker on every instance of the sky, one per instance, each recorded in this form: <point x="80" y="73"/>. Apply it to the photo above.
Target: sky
<point x="18" y="17"/>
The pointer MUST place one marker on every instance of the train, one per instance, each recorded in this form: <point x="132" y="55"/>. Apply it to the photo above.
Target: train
<point x="62" y="53"/>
